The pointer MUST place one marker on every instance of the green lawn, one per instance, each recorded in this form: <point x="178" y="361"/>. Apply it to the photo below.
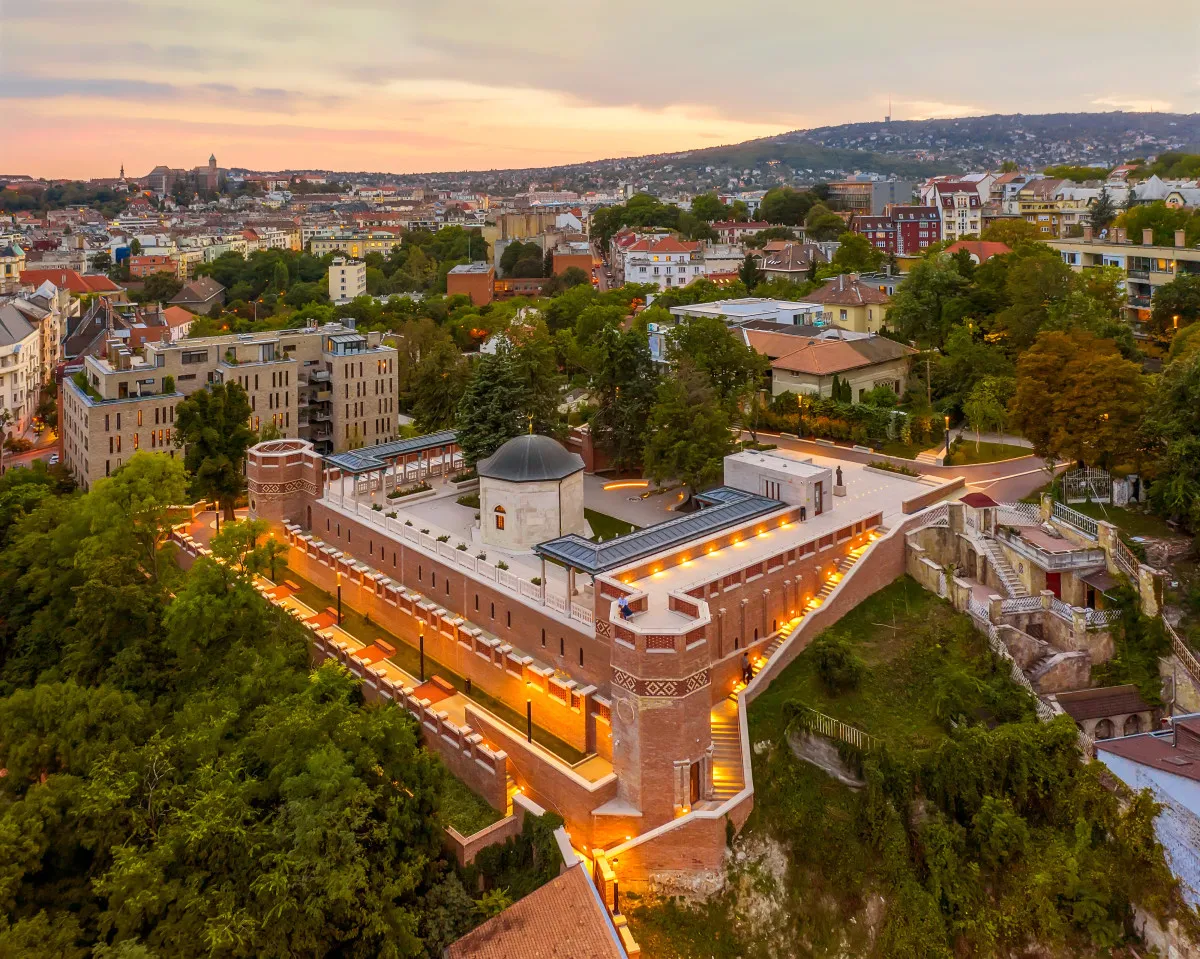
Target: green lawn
<point x="606" y="527"/>
<point x="409" y="659"/>
<point x="1131" y="521"/>
<point x="916" y="649"/>
<point x="905" y="451"/>
<point x="966" y="454"/>
<point x="464" y="810"/>
<point x="919" y="653"/>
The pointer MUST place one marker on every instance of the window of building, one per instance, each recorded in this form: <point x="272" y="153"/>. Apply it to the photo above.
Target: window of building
<point x="499" y="514"/>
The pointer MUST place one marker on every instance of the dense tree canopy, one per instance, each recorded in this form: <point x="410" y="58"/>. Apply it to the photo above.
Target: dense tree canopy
<point x="177" y="782"/>
<point x="212" y="426"/>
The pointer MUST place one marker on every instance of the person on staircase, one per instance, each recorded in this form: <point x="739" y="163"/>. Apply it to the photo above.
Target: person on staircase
<point x="747" y="670"/>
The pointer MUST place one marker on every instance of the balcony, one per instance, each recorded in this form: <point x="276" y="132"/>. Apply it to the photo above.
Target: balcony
<point x="1140" y="302"/>
<point x="1046" y="560"/>
<point x="320" y="415"/>
<point x="323" y="396"/>
<point x="1138" y="274"/>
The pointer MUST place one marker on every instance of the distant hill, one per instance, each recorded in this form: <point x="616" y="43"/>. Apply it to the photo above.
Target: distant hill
<point x="905" y="148"/>
<point x="920" y="147"/>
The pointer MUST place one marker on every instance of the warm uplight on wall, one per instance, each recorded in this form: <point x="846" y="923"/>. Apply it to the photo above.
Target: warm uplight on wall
<point x="628" y="484"/>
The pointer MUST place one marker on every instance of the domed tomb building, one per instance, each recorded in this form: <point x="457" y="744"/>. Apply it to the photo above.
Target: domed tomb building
<point x="530" y="490"/>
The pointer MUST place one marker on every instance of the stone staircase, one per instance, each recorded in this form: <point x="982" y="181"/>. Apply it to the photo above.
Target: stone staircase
<point x="930" y="457"/>
<point x="509" y="789"/>
<point x="728" y="779"/>
<point x="1008" y="576"/>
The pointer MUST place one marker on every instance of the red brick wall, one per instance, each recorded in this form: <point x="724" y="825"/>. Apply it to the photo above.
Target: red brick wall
<point x="478" y="286"/>
<point x="466" y="848"/>
<point x="566" y="723"/>
<point x="416" y="571"/>
<point x="546" y="781"/>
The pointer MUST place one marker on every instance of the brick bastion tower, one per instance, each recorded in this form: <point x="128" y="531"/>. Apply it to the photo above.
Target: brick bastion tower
<point x="627" y="653"/>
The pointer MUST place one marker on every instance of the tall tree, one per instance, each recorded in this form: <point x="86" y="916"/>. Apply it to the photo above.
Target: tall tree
<point x="624" y="386"/>
<point x="785" y="205"/>
<point x="1078" y="398"/>
<point x="1172" y="433"/>
<point x="438" y="384"/>
<point x="1103" y="211"/>
<point x="689" y="430"/>
<point x="734" y="369"/>
<point x="821" y="223"/>
<point x="511" y="392"/>
<point x="919" y="310"/>
<point x="1176" y="305"/>
<point x="857" y="254"/>
<point x="213" y="427"/>
<point x="707" y="207"/>
<point x="749" y="273"/>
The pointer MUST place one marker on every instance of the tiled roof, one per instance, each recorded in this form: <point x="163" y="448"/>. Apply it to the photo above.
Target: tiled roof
<point x="848" y="290"/>
<point x="982" y="250"/>
<point x="1106" y="701"/>
<point x="668" y="244"/>
<point x="825" y="357"/>
<point x="821" y="358"/>
<point x="77" y="283"/>
<point x="793" y="257"/>
<point x="1181" y="758"/>
<point x="564" y="919"/>
<point x="200" y="289"/>
<point x="176" y="316"/>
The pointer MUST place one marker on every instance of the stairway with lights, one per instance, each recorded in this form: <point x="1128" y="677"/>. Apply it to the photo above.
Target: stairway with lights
<point x="728" y="776"/>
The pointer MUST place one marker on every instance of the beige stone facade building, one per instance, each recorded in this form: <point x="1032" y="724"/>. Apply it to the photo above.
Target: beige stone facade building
<point x="331" y="385"/>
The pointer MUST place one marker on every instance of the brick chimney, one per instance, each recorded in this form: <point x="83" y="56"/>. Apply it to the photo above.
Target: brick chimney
<point x="1087" y="234"/>
<point x="1147" y="237"/>
<point x="1180" y="241"/>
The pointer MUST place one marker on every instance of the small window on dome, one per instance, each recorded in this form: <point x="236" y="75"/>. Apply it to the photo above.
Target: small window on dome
<point x="499" y="512"/>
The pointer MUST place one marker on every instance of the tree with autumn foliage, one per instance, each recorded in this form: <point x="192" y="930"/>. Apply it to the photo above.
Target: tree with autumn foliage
<point x="1078" y="398"/>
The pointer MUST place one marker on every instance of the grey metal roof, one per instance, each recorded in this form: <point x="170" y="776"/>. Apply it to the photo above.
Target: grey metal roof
<point x="722" y="507"/>
<point x="528" y="459"/>
<point x="377" y="457"/>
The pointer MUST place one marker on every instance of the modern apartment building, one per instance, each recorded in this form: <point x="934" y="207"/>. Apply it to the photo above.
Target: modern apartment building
<point x="1146" y="267"/>
<point x="330" y="385"/>
<point x="355" y="244"/>
<point x="869" y="197"/>
<point x="347" y="279"/>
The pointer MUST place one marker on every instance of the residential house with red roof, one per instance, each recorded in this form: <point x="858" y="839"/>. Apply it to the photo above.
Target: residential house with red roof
<point x="863" y="362"/>
<point x="960" y="206"/>
<point x="731" y="231"/>
<point x="80" y="284"/>
<point x="665" y="261"/>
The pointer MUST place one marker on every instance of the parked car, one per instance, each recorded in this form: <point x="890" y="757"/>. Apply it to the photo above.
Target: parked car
<point x="53" y="459"/>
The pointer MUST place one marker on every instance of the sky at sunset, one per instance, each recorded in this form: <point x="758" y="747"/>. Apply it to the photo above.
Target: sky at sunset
<point x="400" y="86"/>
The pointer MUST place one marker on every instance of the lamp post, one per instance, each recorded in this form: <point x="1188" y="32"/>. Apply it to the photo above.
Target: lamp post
<point x="422" y="624"/>
<point x="339" y="592"/>
<point x="947" y="435"/>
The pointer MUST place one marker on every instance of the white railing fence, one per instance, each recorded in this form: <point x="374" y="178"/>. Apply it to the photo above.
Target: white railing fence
<point x="1072" y="517"/>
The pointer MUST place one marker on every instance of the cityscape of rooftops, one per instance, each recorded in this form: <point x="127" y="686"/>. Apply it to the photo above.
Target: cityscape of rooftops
<point x="490" y="481"/>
